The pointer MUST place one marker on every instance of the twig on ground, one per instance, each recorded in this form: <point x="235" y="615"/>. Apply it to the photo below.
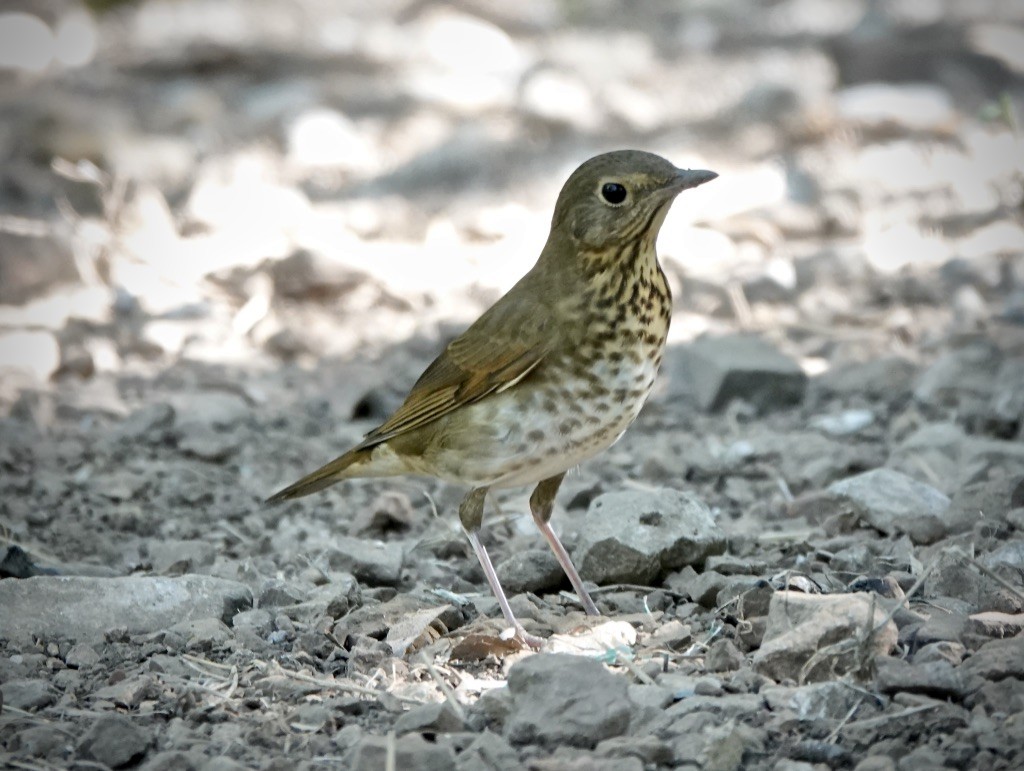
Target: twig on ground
<point x="870" y="721"/>
<point x="639" y="588"/>
<point x="446" y="689"/>
<point x="831" y="738"/>
<point x="989" y="573"/>
<point x="629" y="664"/>
<point x="330" y="684"/>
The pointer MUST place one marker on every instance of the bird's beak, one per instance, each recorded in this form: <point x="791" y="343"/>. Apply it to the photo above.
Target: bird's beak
<point x="687" y="178"/>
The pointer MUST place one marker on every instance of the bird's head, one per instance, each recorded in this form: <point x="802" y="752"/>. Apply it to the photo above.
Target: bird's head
<point x="620" y="196"/>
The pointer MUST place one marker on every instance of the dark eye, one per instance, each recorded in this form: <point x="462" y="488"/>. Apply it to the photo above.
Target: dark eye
<point x="613" y="192"/>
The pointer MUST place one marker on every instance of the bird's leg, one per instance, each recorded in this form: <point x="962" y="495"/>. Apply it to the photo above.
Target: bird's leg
<point x="471" y="512"/>
<point x="541" y="503"/>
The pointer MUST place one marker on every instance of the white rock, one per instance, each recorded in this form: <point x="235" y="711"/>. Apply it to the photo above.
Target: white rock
<point x="635" y="537"/>
<point x="1001" y="41"/>
<point x="36" y="353"/>
<point x="326" y="139"/>
<point x="803" y="625"/>
<point x="76" y="39"/>
<point x="889" y="249"/>
<point x="999" y="238"/>
<point x="81" y="608"/>
<point x="914" y="107"/>
<point x="464" y="62"/>
<point x="26" y="43"/>
<point x="844" y="423"/>
<point x="561" y="97"/>
<point x="894" y="503"/>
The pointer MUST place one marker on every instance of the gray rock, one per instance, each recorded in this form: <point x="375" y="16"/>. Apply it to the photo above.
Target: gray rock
<point x="390" y="511"/>
<point x="558" y="699"/>
<point x="876" y="763"/>
<point x="703" y="588"/>
<point x="491" y="751"/>
<point x="256" y="622"/>
<point x="718" y="370"/>
<point x="651" y="750"/>
<point x="955" y="459"/>
<point x="997" y="660"/>
<point x="342" y="594"/>
<point x="530" y="570"/>
<point x="305" y="275"/>
<point x="114" y="741"/>
<point x="83" y="608"/>
<point x="992" y="623"/>
<point x="809" y="459"/>
<point x="128" y="693"/>
<point x="276" y="593"/>
<point x="411" y="751"/>
<point x="747" y="595"/>
<point x="1010" y="554"/>
<point x="637" y="537"/>
<point x="377" y="563"/>
<point x="953" y="577"/>
<point x="894" y="503"/>
<point x="924" y="759"/>
<point x="722" y="656"/>
<point x="493" y="707"/>
<point x="208" y="444"/>
<point x="184" y="556"/>
<point x="82" y="656"/>
<point x="188" y="760"/>
<point x="33" y="265"/>
<point x="145" y="424"/>
<point x="937" y="679"/>
<point x="950" y="652"/>
<point x="650" y="696"/>
<point x="941" y="627"/>
<point x="1006" y="408"/>
<point x="988" y="501"/>
<point x="805" y="626"/>
<point x="889" y="378"/>
<point x="42" y="741"/>
<point x="814" y="701"/>
<point x="438" y="718"/>
<point x="956" y="376"/>
<point x="731" y="565"/>
<point x="26" y="693"/>
<point x="707" y="739"/>
<point x="203" y="633"/>
<point x="214" y="410"/>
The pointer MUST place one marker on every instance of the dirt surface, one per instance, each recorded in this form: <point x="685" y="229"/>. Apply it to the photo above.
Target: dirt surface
<point x="232" y="234"/>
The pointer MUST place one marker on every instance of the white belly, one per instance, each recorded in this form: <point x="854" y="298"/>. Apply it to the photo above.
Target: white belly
<point x="525" y="441"/>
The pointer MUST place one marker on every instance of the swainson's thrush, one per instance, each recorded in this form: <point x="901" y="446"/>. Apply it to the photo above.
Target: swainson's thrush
<point x="554" y="372"/>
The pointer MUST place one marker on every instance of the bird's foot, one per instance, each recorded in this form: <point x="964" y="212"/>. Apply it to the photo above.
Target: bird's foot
<point x="524" y="638"/>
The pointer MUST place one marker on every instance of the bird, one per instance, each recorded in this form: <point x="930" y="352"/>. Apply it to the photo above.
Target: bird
<point x="550" y="375"/>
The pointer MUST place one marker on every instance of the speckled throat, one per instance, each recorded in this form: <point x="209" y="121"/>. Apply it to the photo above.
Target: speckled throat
<point x="579" y="401"/>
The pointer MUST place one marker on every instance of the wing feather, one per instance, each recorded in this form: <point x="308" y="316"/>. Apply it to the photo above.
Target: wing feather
<point x="486" y="359"/>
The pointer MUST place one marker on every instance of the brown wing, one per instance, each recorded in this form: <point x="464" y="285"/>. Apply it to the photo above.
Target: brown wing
<point x="501" y="348"/>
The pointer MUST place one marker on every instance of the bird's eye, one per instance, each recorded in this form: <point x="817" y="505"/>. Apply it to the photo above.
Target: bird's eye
<point x="613" y="193"/>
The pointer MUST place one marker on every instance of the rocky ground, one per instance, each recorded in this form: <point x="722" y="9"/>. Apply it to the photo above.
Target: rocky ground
<point x="233" y="233"/>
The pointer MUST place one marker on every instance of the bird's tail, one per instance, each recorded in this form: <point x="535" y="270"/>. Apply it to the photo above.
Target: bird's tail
<point x="325" y="476"/>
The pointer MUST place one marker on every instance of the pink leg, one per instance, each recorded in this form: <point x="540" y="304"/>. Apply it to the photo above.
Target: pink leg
<point x="541" y="503"/>
<point x="492" y="579"/>
<point x="471" y="512"/>
<point x="570" y="570"/>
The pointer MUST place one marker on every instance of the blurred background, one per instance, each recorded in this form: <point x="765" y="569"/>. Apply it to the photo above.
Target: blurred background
<point x="255" y="182"/>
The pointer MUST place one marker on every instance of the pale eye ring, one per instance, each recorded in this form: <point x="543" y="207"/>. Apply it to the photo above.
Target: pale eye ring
<point x="614" y="193"/>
